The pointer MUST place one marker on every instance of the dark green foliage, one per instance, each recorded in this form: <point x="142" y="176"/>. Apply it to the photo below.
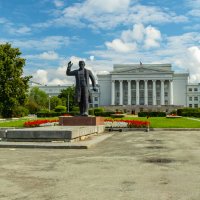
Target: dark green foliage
<point x="55" y="101"/>
<point x="49" y="114"/>
<point x="32" y="106"/>
<point x="69" y="92"/>
<point x="91" y="112"/>
<point x="61" y="109"/>
<point x="96" y="111"/>
<point x="13" y="87"/>
<point x="20" y="111"/>
<point x="104" y="114"/>
<point x="151" y="114"/>
<point x="39" y="97"/>
<point x="189" y="112"/>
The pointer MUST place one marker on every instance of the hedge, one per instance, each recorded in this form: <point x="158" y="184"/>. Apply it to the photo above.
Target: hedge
<point x="189" y="112"/>
<point x="151" y="114"/>
<point x="49" y="114"/>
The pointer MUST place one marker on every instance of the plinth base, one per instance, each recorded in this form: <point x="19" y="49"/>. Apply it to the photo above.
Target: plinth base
<point x="80" y="121"/>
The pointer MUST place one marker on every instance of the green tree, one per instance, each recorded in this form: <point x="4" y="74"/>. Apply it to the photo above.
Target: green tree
<point x="39" y="97"/>
<point x="68" y="92"/>
<point x="55" y="101"/>
<point x="13" y="87"/>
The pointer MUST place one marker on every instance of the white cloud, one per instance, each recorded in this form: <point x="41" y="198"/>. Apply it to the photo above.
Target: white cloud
<point x="107" y="6"/>
<point x="47" y="43"/>
<point x="108" y="14"/>
<point x="40" y="76"/>
<point x="50" y="55"/>
<point x="120" y="46"/>
<point x="58" y="3"/>
<point x="195" y="53"/>
<point x="148" y="37"/>
<point x="153" y="37"/>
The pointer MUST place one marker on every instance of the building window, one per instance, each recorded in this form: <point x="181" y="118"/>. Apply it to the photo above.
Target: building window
<point x="195" y="89"/>
<point x="190" y="105"/>
<point x="166" y="94"/>
<point x="190" y="98"/>
<point x="96" y="105"/>
<point x="195" y="98"/>
<point x="95" y="98"/>
<point x="196" y="105"/>
<point x="190" y="89"/>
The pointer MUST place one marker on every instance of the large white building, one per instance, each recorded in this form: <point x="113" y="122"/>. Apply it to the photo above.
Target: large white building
<point x="143" y="84"/>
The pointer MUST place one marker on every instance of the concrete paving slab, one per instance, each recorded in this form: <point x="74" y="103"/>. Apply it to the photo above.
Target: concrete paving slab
<point x="159" y="165"/>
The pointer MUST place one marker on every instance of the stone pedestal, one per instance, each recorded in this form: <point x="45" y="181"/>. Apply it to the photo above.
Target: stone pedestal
<point x="81" y="121"/>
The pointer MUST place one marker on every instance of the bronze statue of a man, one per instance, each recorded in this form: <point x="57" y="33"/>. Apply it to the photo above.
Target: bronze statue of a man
<point x="82" y="90"/>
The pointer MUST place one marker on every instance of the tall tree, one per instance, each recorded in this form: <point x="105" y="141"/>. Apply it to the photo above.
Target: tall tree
<point x="39" y="97"/>
<point x="67" y="95"/>
<point x="13" y="86"/>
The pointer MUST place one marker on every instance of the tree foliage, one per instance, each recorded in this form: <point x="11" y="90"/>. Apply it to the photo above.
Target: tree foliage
<point x="68" y="92"/>
<point x="13" y="86"/>
<point x="39" y="97"/>
<point x="55" y="101"/>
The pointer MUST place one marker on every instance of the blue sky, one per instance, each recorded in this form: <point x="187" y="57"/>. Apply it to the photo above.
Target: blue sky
<point x="49" y="33"/>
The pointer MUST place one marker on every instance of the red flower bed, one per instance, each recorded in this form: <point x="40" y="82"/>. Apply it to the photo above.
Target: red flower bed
<point x="132" y="123"/>
<point x="36" y="123"/>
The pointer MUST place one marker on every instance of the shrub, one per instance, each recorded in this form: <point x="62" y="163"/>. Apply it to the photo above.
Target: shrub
<point x="60" y="109"/>
<point x="97" y="110"/>
<point x="151" y="114"/>
<point x="104" y="114"/>
<point x="189" y="112"/>
<point x="49" y="114"/>
<point x="91" y="112"/>
<point x="20" y="111"/>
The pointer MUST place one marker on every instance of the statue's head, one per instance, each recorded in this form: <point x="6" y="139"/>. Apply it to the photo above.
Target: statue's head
<point x="81" y="64"/>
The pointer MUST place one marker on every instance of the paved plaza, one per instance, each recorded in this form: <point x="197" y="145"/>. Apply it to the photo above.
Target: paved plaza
<point x="159" y="165"/>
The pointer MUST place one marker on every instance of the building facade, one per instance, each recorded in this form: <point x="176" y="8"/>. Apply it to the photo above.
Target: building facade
<point x="143" y="84"/>
<point x="193" y="95"/>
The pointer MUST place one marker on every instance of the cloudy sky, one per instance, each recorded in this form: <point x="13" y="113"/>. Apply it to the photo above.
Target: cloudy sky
<point x="50" y="33"/>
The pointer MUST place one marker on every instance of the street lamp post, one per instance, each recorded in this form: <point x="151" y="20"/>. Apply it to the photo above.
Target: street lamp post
<point x="49" y="103"/>
<point x="68" y="102"/>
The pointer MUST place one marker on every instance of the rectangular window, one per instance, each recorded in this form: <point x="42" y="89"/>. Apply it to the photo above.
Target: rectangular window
<point x="190" y="98"/>
<point x="190" y="89"/>
<point x="190" y="105"/>
<point x="196" y="105"/>
<point x="166" y="94"/>
<point x="96" y="98"/>
<point x="195" y="89"/>
<point x="195" y="98"/>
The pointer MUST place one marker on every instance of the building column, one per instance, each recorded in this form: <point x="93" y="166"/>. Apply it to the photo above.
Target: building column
<point x="120" y="92"/>
<point x="171" y="100"/>
<point x="162" y="93"/>
<point x="145" y="92"/>
<point x="137" y="93"/>
<point x="113" y="93"/>
<point x="129" y="92"/>
<point x="154" y="92"/>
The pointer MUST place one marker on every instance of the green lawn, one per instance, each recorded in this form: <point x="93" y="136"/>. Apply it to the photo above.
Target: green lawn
<point x="156" y="122"/>
<point x="163" y="122"/>
<point x="18" y="122"/>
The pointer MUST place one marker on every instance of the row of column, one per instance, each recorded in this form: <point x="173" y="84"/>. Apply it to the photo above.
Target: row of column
<point x="138" y="92"/>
